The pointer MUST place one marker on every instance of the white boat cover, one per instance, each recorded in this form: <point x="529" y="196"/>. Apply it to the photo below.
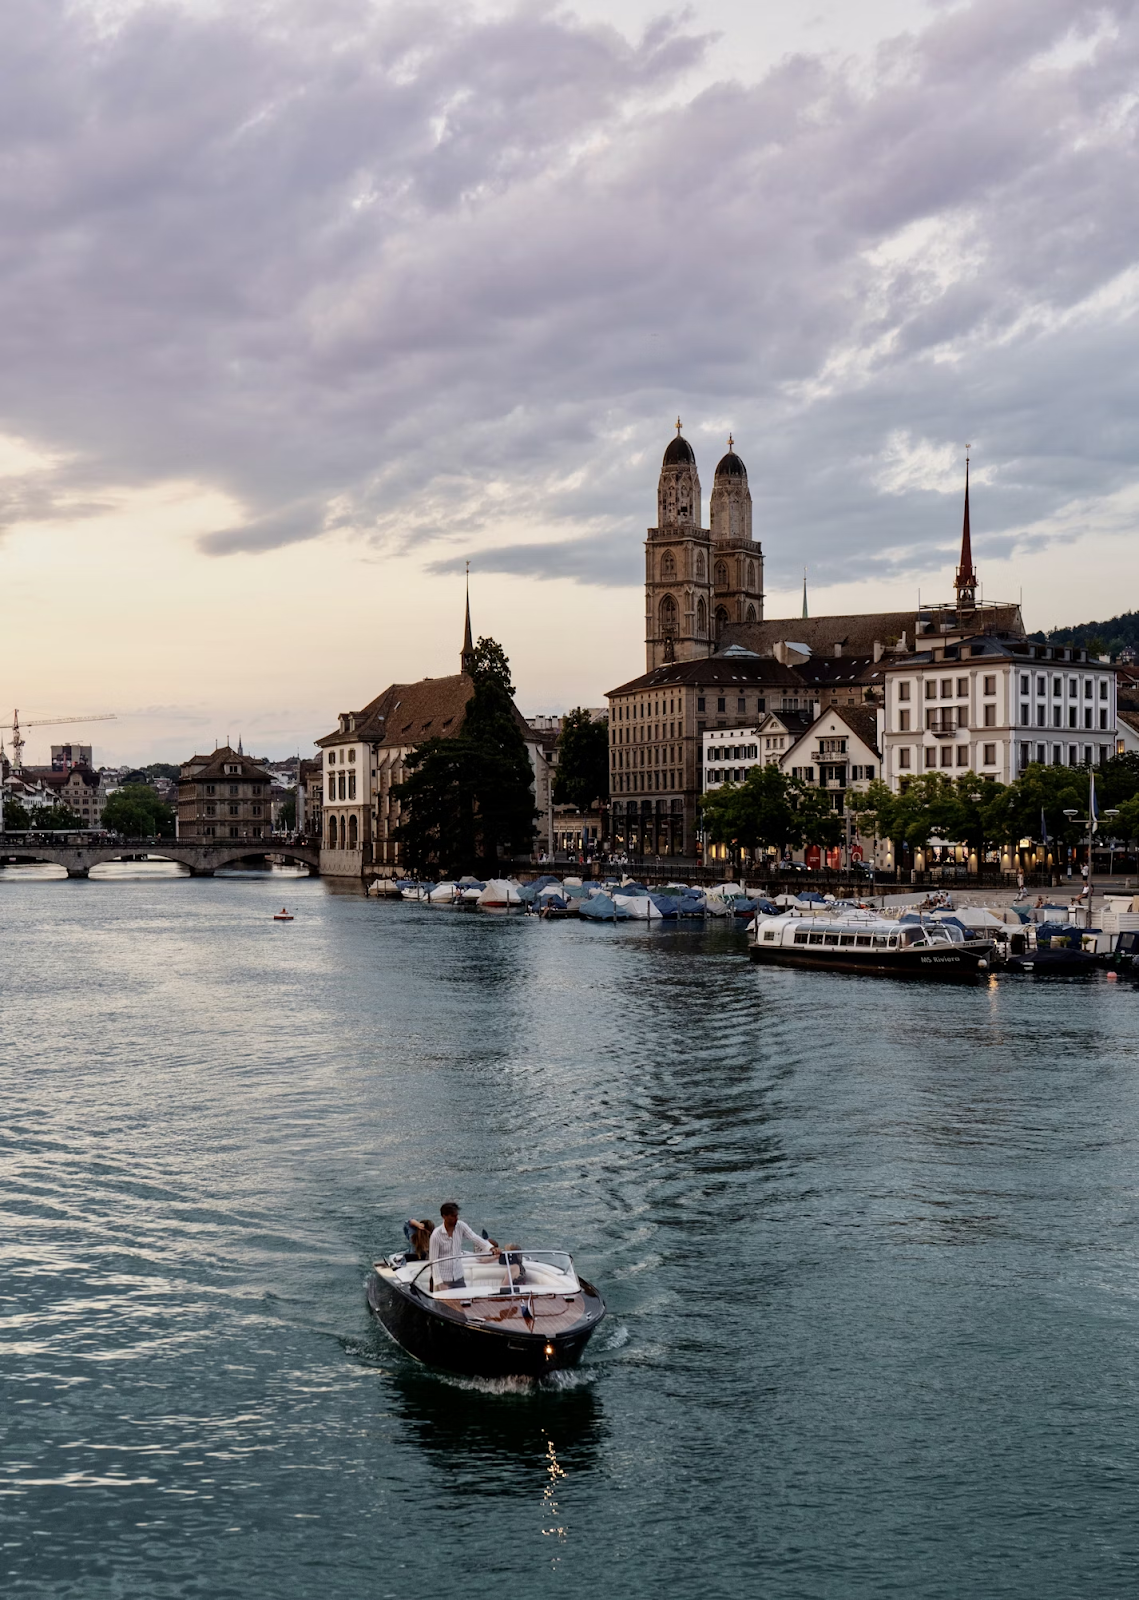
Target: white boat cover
<point x="497" y="893"/>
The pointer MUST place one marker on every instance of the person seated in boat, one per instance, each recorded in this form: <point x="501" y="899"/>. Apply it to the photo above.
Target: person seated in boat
<point x="510" y="1257"/>
<point x="446" y="1249"/>
<point x="417" y="1231"/>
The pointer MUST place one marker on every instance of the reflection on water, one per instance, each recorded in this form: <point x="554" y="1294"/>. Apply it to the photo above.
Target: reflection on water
<point x="869" y="1252"/>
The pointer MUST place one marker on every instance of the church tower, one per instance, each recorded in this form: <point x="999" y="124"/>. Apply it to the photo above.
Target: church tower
<point x="678" y="584"/>
<point x="737" y="559"/>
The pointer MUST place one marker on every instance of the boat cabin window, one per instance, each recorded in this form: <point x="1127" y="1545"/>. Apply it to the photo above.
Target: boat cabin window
<point x="769" y="936"/>
<point x="800" y="935"/>
<point x="816" y="938"/>
<point x="881" y="940"/>
<point x="862" y="939"/>
<point x="847" y="938"/>
<point x="893" y="941"/>
<point x="830" y="938"/>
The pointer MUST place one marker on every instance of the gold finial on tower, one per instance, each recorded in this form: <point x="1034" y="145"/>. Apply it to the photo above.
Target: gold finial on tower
<point x="731" y="442"/>
<point x="678" y="424"/>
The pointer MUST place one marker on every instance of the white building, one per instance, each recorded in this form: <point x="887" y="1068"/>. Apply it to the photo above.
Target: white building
<point x="993" y="706"/>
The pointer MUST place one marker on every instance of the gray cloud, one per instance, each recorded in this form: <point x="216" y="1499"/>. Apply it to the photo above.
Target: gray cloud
<point x="425" y="275"/>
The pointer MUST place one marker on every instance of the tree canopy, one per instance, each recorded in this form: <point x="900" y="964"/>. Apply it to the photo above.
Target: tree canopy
<point x="138" y="812"/>
<point x="582" y="775"/>
<point x="53" y="819"/>
<point x="770" y="809"/>
<point x="469" y="799"/>
<point x="16" y="815"/>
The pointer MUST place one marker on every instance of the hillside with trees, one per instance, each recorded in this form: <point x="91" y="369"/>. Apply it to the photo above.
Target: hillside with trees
<point x="1098" y="638"/>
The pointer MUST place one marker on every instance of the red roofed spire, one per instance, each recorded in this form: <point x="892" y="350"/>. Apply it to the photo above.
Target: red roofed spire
<point x="966" y="580"/>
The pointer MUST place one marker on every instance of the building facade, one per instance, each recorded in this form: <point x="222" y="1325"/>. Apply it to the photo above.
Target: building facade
<point x="995" y="705"/>
<point x="224" y="796"/>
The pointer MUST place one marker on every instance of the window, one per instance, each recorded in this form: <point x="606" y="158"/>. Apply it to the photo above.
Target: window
<point x="741" y="704"/>
<point x="722" y="703"/>
<point x="1088" y="689"/>
<point x="931" y="757"/>
<point x="963" y="688"/>
<point x="1073" y="687"/>
<point x="233" y="788"/>
<point x="1073" y="756"/>
<point x="962" y="755"/>
<point x="1040" y="686"/>
<point x="1041" y="716"/>
<point x="1057" y="688"/>
<point x="235" y="811"/>
<point x="990" y="716"/>
<point x="930" y="689"/>
<point x="211" y="788"/>
<point x="947" y="755"/>
<point x="256" y="811"/>
<point x="903" y="757"/>
<point x="1087" y="716"/>
<point x="701" y="570"/>
<point x="800" y="935"/>
<point x="947" y="688"/>
<point x="990" y="755"/>
<point x="1057" y="716"/>
<point x="1024" y="683"/>
<point x="903" y="721"/>
<point x="668" y="615"/>
<point x="868" y="770"/>
<point x="1103" y="690"/>
<point x="668" y="565"/>
<point x="353" y="831"/>
<point x="701" y="609"/>
<point x="990" y="684"/>
<point x="846" y="938"/>
<point x="721" y="575"/>
<point x="862" y="939"/>
<point x="1072" y="717"/>
<point x="1103" y="719"/>
<point x="903" y="691"/>
<point x="351" y="786"/>
<point x="341" y="787"/>
<point x="1025" y="716"/>
<point x="332" y="833"/>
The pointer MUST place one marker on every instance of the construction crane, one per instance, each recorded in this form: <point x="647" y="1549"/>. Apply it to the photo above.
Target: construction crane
<point x="45" y="722"/>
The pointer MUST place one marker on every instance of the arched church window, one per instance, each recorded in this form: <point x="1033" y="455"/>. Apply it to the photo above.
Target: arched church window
<point x="721" y="618"/>
<point x="751" y="574"/>
<point x="668" y="615"/>
<point x="751" y="617"/>
<point x="701" y="619"/>
<point x="721" y="575"/>
<point x="668" y="565"/>
<point x="701" y="569"/>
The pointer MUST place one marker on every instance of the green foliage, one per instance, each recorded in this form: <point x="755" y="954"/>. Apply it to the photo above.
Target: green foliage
<point x="1110" y="636"/>
<point x="1117" y="780"/>
<point x="582" y="774"/>
<point x="934" y="805"/>
<point x="1126" y="824"/>
<point x="770" y="809"/>
<point x="137" y="812"/>
<point x="162" y="769"/>
<point x="54" y="819"/>
<point x="16" y="815"/>
<point x="470" y="798"/>
<point x="289" y="810"/>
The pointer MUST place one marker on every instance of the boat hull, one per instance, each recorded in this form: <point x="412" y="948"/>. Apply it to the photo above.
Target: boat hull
<point x="948" y="963"/>
<point x="443" y="1335"/>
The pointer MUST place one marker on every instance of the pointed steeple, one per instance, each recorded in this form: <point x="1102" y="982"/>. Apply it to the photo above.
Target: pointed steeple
<point x="805" y="591"/>
<point x="966" y="580"/>
<point x="467" y="659"/>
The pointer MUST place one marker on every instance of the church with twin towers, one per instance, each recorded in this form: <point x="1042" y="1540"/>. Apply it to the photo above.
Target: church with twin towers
<point x="699" y="580"/>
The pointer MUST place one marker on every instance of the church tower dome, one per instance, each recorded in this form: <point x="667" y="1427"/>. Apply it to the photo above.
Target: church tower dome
<point x="678" y="488"/>
<point x="729" y="510"/>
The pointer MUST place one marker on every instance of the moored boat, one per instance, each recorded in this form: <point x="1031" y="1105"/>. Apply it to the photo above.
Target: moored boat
<point x="868" y="944"/>
<point x="523" y="1313"/>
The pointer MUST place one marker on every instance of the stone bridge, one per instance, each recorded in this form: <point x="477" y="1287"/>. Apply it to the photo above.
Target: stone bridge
<point x="203" y="860"/>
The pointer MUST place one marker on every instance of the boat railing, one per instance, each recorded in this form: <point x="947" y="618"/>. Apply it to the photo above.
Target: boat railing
<point x="510" y="1270"/>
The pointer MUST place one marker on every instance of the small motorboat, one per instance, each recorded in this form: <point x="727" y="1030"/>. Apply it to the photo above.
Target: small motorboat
<point x="282" y="915"/>
<point x="519" y="1313"/>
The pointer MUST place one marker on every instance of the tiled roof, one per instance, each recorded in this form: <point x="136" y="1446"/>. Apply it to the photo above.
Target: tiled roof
<point x="863" y="720"/>
<point x="715" y="672"/>
<point x="856" y="634"/>
<point x="215" y="764"/>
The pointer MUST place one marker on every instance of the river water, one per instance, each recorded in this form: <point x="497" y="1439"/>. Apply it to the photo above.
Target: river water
<point x="870" y="1252"/>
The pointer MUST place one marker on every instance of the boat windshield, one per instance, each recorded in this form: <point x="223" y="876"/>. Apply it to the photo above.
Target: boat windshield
<point x="503" y="1272"/>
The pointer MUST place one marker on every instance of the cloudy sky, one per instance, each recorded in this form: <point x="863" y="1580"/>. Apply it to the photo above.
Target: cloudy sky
<point x="305" y="304"/>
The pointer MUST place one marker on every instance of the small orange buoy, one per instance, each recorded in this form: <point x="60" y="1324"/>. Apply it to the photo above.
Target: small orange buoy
<point x="282" y="916"/>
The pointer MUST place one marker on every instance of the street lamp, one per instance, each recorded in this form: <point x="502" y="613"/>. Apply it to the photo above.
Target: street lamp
<point x="1091" y="822"/>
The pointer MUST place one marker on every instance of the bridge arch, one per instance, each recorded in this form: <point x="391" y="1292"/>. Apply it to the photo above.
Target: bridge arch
<point x="202" y="860"/>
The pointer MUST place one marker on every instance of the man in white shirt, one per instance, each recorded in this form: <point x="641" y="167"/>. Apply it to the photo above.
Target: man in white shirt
<point x="446" y="1249"/>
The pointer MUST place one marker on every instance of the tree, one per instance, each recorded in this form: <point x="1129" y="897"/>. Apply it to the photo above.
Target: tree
<point x="162" y="769"/>
<point x="16" y="815"/>
<point x="1117" y="780"/>
<point x="289" y="811"/>
<point x="55" y="819"/>
<point x="138" y="812"/>
<point x="582" y="776"/>
<point x="469" y="798"/>
<point x="770" y="809"/>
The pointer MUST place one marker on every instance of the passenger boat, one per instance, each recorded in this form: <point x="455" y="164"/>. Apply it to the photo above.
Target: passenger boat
<point x="282" y="915"/>
<point x="521" y="1313"/>
<point x="869" y="944"/>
